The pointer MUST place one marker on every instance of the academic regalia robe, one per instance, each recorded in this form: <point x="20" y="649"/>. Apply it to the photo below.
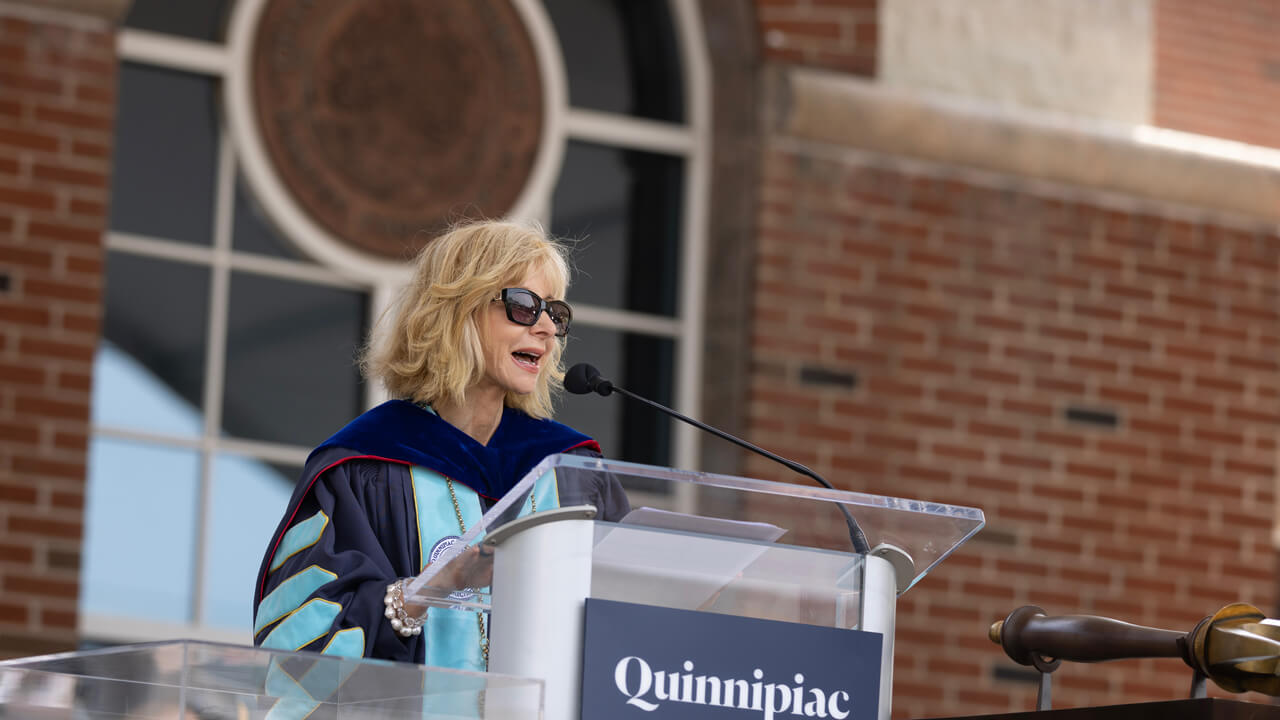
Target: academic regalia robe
<point x="373" y="504"/>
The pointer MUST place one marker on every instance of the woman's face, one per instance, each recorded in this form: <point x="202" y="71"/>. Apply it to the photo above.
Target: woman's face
<point x="514" y="354"/>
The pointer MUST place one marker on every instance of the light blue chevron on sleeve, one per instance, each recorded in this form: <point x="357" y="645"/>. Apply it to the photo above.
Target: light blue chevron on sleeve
<point x="299" y="538"/>
<point x="346" y="643"/>
<point x="290" y="594"/>
<point x="292" y="709"/>
<point x="304" y="626"/>
<point x="294" y="702"/>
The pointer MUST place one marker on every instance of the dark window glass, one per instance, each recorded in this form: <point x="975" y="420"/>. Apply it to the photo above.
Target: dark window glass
<point x="621" y="56"/>
<point x="199" y="19"/>
<point x="156" y="315"/>
<point x="643" y="364"/>
<point x="291" y="359"/>
<point x="165" y="155"/>
<point x="253" y="232"/>
<point x="623" y="206"/>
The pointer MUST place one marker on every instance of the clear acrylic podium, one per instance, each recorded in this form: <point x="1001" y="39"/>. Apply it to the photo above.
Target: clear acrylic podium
<point x="749" y="548"/>
<point x="185" y="679"/>
<point x="721" y="557"/>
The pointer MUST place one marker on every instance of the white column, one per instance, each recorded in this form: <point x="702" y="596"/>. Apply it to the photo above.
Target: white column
<point x="541" y="579"/>
<point x="879" y="607"/>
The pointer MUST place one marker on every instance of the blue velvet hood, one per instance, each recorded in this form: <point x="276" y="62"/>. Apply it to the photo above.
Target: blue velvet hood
<point x="399" y="431"/>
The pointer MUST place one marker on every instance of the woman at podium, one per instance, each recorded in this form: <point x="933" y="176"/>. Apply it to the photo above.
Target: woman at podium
<point x="471" y="355"/>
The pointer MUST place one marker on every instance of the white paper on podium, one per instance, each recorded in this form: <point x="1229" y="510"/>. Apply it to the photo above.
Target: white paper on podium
<point x="672" y="569"/>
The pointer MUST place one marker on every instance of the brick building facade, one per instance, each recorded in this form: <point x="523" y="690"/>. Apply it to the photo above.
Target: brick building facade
<point x="1072" y="329"/>
<point x="1097" y="374"/>
<point x="1068" y="328"/>
<point x="57" y="108"/>
<point x="1217" y="71"/>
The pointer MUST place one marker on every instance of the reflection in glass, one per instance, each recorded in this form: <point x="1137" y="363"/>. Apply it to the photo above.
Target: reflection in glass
<point x="623" y="208"/>
<point x="249" y="498"/>
<point x="139" y="540"/>
<point x="154" y="325"/>
<point x="127" y="394"/>
<point x="190" y="680"/>
<point x="162" y="183"/>
<point x="643" y="364"/>
<point x="622" y="56"/>
<point x="291" y="359"/>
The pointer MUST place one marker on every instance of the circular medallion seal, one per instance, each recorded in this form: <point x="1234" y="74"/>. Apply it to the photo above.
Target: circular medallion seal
<point x="388" y="119"/>
<point x="442" y="546"/>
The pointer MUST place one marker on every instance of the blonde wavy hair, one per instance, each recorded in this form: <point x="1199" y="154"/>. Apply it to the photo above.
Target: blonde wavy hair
<point x="432" y="350"/>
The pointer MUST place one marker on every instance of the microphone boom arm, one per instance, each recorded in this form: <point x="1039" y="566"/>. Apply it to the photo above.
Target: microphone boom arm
<point x="856" y="536"/>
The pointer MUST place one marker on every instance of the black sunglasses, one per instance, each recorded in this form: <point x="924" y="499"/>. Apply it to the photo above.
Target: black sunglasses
<point x="524" y="307"/>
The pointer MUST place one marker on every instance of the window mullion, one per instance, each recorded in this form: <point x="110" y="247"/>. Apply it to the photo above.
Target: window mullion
<point x="693" y="265"/>
<point x="215" y="363"/>
<point x="382" y="297"/>
<point x="172" y="52"/>
<point x="629" y="132"/>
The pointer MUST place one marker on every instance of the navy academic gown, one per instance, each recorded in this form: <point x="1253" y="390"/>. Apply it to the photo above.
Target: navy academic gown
<point x="372" y="506"/>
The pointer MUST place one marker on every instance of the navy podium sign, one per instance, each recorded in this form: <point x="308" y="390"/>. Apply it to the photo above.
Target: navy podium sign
<point x="655" y="663"/>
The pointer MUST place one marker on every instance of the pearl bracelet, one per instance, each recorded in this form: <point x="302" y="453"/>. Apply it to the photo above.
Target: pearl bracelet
<point x="401" y="621"/>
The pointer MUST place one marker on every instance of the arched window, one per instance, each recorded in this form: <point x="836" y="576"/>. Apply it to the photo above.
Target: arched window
<point x="229" y="339"/>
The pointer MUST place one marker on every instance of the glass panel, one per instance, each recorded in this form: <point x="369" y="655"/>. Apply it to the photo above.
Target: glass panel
<point x="726" y="575"/>
<point x="186" y="679"/>
<point x="127" y="394"/>
<point x="761" y="548"/>
<point x="139" y="539"/>
<point x="643" y="364"/>
<point x="149" y="370"/>
<point x="249" y="498"/>
<point x="252" y="232"/>
<point x="166" y="144"/>
<point x="199" y="19"/>
<point x="622" y="56"/>
<point x="291" y="359"/>
<point x="624" y="206"/>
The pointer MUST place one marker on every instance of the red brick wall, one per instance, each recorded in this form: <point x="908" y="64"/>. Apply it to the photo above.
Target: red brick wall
<point x="57" y="103"/>
<point x="840" y="35"/>
<point x="1217" y="68"/>
<point x="975" y="313"/>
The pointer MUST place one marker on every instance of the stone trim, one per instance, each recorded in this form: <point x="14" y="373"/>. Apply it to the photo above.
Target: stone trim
<point x="851" y="112"/>
<point x="731" y="38"/>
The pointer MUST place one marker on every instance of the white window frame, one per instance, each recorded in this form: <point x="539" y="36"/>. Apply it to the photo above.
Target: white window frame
<point x="337" y="265"/>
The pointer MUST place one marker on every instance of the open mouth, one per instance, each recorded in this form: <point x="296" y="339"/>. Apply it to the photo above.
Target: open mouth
<point x="526" y="360"/>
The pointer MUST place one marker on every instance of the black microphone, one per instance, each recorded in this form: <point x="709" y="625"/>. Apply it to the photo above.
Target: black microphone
<point x="583" y="378"/>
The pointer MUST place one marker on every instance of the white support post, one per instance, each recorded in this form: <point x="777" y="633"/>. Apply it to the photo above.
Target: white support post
<point x="879" y="608"/>
<point x="541" y="578"/>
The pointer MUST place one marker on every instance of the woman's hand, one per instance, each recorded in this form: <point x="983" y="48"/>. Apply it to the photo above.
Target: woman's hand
<point x="472" y="568"/>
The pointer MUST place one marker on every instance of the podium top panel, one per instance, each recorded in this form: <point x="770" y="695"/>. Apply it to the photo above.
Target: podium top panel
<point x="914" y="535"/>
<point x="185" y="678"/>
